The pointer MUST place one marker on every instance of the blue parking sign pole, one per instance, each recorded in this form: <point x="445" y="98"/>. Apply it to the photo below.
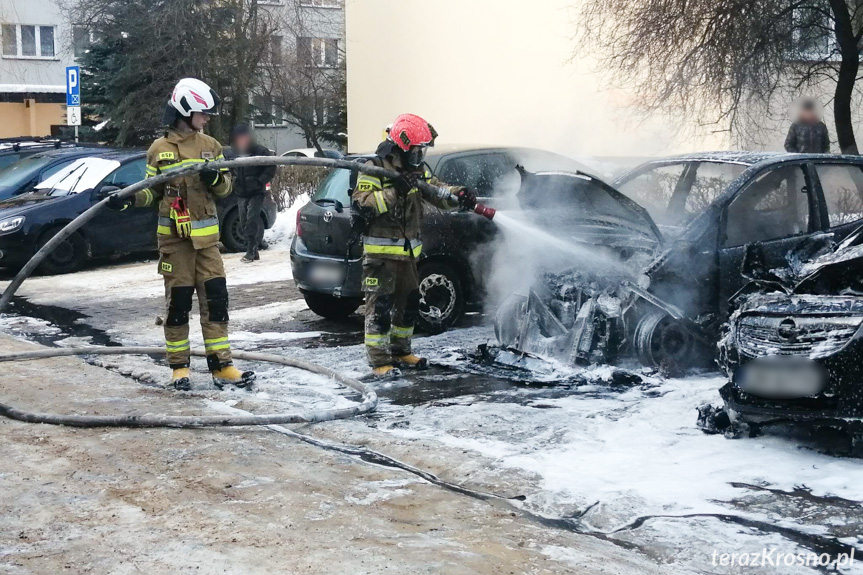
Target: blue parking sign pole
<point x="73" y="90"/>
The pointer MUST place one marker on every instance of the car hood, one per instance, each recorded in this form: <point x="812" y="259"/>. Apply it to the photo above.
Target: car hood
<point x="589" y="205"/>
<point x="25" y="203"/>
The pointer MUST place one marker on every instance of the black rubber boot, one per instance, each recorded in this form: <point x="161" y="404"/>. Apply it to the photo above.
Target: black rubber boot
<point x="251" y="255"/>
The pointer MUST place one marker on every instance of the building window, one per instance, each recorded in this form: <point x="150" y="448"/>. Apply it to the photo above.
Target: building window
<point x="276" y="50"/>
<point x="81" y="40"/>
<point x="319" y="52"/>
<point x="46" y="41"/>
<point x="28" y="41"/>
<point x="321" y="3"/>
<point x="266" y="113"/>
<point x="10" y="40"/>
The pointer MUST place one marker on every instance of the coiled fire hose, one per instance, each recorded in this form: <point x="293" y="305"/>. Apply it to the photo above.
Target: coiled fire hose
<point x="369" y="397"/>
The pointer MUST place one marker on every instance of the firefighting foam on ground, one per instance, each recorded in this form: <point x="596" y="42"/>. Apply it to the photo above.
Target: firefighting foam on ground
<point x="242" y="332"/>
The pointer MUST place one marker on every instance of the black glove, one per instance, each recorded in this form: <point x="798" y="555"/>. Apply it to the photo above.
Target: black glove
<point x="115" y="202"/>
<point x="466" y="199"/>
<point x="210" y="177"/>
<point x="406" y="182"/>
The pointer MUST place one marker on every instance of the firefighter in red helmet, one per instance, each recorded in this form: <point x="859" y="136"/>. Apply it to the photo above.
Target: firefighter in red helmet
<point x="391" y="212"/>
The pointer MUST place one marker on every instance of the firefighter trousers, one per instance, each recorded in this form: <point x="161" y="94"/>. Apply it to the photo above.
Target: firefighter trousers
<point x="186" y="271"/>
<point x="392" y="307"/>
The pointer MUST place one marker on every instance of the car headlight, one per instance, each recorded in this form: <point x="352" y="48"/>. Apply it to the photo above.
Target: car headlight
<point x="11" y="224"/>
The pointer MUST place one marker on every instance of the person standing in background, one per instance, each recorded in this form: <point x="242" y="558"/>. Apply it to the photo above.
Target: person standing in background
<point x="808" y="134"/>
<point x="250" y="187"/>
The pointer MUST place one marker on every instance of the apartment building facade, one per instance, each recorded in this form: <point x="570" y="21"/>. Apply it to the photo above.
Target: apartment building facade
<point x="35" y="37"/>
<point x="311" y="36"/>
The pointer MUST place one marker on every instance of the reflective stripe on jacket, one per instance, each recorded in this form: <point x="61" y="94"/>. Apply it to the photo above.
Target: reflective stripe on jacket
<point x="396" y="217"/>
<point x="173" y="152"/>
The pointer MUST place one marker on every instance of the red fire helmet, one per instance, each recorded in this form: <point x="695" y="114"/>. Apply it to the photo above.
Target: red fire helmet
<point x="411" y="130"/>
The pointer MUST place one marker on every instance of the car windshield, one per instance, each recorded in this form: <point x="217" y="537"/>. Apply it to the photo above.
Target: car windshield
<point x="14" y="176"/>
<point x="675" y="193"/>
<point x="83" y="174"/>
<point x="334" y="188"/>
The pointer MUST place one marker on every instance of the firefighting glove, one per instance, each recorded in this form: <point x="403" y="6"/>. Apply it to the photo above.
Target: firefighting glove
<point x="466" y="199"/>
<point x="181" y="217"/>
<point x="210" y="177"/>
<point x="115" y="202"/>
<point x="406" y="182"/>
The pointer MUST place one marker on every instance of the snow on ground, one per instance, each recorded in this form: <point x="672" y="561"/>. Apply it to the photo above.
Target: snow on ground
<point x="282" y="232"/>
<point x="607" y="455"/>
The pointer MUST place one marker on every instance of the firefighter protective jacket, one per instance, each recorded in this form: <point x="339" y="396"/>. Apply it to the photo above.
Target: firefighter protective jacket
<point x="174" y="151"/>
<point x="393" y="231"/>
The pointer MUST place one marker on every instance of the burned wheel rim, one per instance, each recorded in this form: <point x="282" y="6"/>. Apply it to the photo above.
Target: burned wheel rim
<point x="438" y="298"/>
<point x="660" y="340"/>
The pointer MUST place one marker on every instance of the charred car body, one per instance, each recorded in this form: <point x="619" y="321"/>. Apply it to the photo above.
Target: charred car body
<point x="794" y="345"/>
<point x="716" y="214"/>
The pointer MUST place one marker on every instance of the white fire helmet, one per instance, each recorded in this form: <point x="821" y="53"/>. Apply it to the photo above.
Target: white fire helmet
<point x="191" y="95"/>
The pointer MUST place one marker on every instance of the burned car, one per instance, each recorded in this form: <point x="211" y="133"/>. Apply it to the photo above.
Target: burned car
<point x="715" y="214"/>
<point x="794" y="345"/>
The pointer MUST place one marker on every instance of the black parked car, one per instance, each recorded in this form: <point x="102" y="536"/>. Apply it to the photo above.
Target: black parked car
<point x="449" y="279"/>
<point x="29" y="220"/>
<point x="25" y="174"/>
<point x="794" y="348"/>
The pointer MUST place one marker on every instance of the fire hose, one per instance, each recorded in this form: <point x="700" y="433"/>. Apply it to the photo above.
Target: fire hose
<point x="369" y="398"/>
<point x="429" y="191"/>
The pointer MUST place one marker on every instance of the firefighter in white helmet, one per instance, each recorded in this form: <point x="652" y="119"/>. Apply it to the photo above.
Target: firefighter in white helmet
<point x="188" y="233"/>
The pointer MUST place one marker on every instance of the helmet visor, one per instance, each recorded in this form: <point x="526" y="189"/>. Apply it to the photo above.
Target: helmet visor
<point x="416" y="156"/>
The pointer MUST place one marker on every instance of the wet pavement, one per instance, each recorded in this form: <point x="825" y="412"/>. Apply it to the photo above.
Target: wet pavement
<point x="500" y="413"/>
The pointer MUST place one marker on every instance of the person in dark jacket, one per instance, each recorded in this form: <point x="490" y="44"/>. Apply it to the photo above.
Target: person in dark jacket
<point x="808" y="134"/>
<point x="250" y="187"/>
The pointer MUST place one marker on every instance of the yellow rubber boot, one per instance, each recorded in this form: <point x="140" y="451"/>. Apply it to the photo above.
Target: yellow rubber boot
<point x="412" y="361"/>
<point x="230" y="375"/>
<point x="181" y="379"/>
<point x="386" y="372"/>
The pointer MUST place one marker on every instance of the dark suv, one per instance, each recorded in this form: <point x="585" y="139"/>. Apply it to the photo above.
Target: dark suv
<point x="450" y="279"/>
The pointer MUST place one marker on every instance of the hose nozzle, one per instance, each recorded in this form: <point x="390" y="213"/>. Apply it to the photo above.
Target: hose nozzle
<point x="485" y="211"/>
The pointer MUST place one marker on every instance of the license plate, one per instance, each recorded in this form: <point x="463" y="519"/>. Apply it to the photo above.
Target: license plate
<point x="778" y="377"/>
<point x="326" y="274"/>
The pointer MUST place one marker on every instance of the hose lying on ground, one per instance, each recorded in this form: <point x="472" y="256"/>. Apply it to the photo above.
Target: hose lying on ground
<point x="368" y="403"/>
<point x="74" y="225"/>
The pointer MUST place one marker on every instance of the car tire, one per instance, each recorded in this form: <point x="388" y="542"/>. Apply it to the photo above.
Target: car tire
<point x="441" y="297"/>
<point x="660" y="341"/>
<point x="66" y="258"/>
<point x="331" y="307"/>
<point x="232" y="236"/>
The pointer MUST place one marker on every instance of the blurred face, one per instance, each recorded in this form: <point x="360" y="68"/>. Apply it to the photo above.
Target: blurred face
<point x="808" y="115"/>
<point x="199" y="120"/>
<point x="242" y="142"/>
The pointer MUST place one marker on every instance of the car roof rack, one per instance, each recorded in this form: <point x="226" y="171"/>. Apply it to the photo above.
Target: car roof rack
<point x="44" y="142"/>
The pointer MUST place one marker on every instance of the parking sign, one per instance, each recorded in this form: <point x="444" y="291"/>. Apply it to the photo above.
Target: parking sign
<point x="73" y="86"/>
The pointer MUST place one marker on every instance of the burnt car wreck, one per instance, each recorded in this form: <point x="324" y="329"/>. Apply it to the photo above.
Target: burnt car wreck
<point x="793" y="348"/>
<point x="673" y="273"/>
